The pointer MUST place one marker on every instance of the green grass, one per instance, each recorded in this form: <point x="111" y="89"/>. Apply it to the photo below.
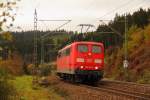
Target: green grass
<point x="26" y="91"/>
<point x="23" y="83"/>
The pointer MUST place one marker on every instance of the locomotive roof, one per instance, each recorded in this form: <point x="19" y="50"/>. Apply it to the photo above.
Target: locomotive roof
<point x="81" y="42"/>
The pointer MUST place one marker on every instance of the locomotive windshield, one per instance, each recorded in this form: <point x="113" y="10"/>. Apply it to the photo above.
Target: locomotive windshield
<point x="96" y="49"/>
<point x="82" y="48"/>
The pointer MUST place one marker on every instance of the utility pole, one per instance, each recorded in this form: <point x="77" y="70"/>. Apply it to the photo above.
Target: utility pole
<point x="125" y="62"/>
<point x="35" y="54"/>
<point x="42" y="50"/>
<point x="35" y="40"/>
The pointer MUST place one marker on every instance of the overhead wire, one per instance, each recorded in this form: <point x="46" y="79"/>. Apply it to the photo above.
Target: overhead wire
<point x="140" y="3"/>
<point x="121" y="6"/>
<point x="117" y="8"/>
<point x="110" y="12"/>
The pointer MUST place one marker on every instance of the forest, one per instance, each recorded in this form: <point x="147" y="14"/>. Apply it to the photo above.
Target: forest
<point x="23" y="41"/>
<point x="17" y="48"/>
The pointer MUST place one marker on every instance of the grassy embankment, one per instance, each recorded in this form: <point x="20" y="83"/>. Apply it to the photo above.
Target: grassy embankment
<point x="26" y="91"/>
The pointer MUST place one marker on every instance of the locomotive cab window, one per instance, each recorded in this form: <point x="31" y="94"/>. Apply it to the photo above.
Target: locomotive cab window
<point x="96" y="49"/>
<point x="82" y="48"/>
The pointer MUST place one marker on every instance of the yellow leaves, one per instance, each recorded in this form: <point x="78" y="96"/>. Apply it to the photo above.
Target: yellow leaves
<point x="147" y="33"/>
<point x="1" y="23"/>
<point x="1" y="5"/>
<point x="4" y="14"/>
<point x="7" y="36"/>
<point x="137" y="37"/>
<point x="4" y="20"/>
<point x="13" y="3"/>
<point x="7" y="14"/>
<point x="6" y="9"/>
<point x="13" y="19"/>
<point x="7" y="4"/>
<point x="132" y="30"/>
<point x="137" y="34"/>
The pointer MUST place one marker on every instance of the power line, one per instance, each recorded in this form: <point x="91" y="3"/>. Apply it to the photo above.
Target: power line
<point x="63" y="25"/>
<point x="119" y="7"/>
<point x="50" y="20"/>
<point x="114" y="30"/>
<point x="45" y="35"/>
<point x="45" y="25"/>
<point x="66" y="22"/>
<point x="139" y="4"/>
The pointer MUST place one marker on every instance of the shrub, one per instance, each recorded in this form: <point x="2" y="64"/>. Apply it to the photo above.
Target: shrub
<point x="13" y="66"/>
<point x="147" y="34"/>
<point x="45" y="70"/>
<point x="145" y="78"/>
<point x="6" y="89"/>
<point x="30" y="68"/>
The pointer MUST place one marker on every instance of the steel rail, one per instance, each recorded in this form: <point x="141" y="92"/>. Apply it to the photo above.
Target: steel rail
<point x="119" y="92"/>
<point x="126" y="83"/>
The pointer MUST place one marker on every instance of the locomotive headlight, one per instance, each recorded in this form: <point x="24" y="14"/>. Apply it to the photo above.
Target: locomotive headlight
<point x="96" y="67"/>
<point x="98" y="61"/>
<point x="81" y="67"/>
<point x="80" y="60"/>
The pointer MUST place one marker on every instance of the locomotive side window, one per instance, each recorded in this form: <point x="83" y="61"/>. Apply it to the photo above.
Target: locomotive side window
<point x="82" y="48"/>
<point x="96" y="49"/>
<point x="67" y="52"/>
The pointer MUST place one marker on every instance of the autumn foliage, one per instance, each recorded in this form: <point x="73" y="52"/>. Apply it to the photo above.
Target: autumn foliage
<point x="138" y="56"/>
<point x="13" y="65"/>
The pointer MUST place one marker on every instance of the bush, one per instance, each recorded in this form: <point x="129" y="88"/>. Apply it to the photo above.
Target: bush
<point x="147" y="34"/>
<point x="6" y="89"/>
<point x="45" y="70"/>
<point x="13" y="66"/>
<point x="30" y="68"/>
<point x="145" y="78"/>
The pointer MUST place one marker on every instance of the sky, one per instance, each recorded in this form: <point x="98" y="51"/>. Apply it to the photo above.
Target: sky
<point x="79" y="11"/>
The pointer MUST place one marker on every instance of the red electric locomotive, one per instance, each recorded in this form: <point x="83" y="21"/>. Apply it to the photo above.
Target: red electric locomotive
<point x="81" y="61"/>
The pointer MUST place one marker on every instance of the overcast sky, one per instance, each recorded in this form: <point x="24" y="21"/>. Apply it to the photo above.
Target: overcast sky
<point x="79" y="11"/>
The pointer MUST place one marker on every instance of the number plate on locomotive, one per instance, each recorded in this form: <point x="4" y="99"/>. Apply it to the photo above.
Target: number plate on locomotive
<point x="89" y="60"/>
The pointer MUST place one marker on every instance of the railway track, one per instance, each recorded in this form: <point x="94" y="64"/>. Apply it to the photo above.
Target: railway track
<point x="128" y="86"/>
<point x="123" y="89"/>
<point x="126" y="83"/>
<point x="120" y="89"/>
<point x="119" y="92"/>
